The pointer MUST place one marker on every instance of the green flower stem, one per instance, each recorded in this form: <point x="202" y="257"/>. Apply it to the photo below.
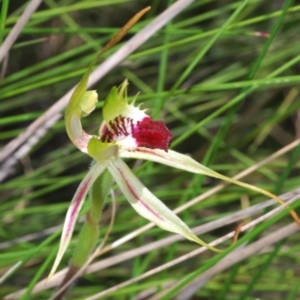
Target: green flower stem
<point x="90" y="230"/>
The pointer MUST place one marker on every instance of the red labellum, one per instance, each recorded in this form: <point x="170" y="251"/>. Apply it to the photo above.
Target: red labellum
<point x="152" y="134"/>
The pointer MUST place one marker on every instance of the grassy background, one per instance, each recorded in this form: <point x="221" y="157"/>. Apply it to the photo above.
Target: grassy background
<point x="229" y="96"/>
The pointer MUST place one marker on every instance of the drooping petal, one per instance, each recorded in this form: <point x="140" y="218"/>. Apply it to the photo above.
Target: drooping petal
<point x="74" y="210"/>
<point x="170" y="158"/>
<point x="147" y="205"/>
<point x="129" y="126"/>
<point x="184" y="162"/>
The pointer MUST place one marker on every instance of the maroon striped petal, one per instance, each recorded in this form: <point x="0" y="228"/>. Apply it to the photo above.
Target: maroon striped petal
<point x="147" y="205"/>
<point x="74" y="210"/>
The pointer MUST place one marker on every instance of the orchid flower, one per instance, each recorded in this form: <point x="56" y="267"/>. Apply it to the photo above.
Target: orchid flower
<point x="128" y="132"/>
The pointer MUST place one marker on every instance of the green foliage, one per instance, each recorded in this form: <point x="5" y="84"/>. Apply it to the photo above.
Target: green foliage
<point x="230" y="96"/>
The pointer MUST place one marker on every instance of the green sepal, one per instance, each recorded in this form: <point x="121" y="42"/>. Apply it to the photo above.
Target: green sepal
<point x="73" y="107"/>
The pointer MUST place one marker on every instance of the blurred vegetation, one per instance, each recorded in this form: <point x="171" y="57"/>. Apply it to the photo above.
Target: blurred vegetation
<point x="229" y="107"/>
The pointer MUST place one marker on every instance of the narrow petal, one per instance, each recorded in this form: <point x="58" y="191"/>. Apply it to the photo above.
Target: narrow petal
<point x="170" y="158"/>
<point x="184" y="162"/>
<point x="74" y="210"/>
<point x="147" y="205"/>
